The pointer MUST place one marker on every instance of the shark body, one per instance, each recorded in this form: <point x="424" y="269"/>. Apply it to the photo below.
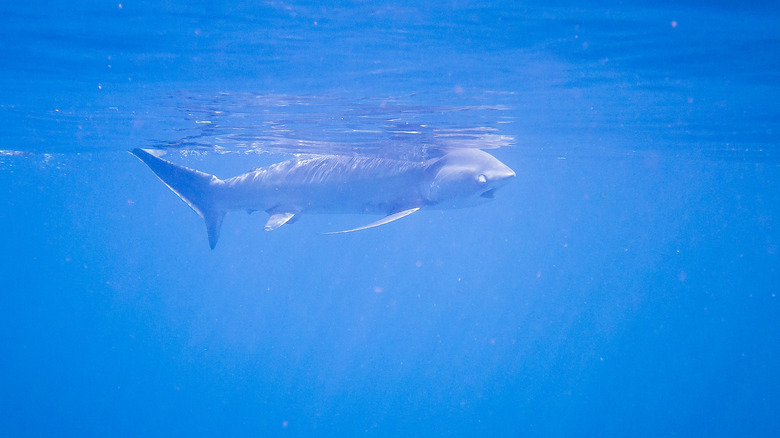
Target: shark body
<point x="336" y="184"/>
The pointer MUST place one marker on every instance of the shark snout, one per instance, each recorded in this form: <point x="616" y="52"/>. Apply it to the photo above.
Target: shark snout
<point x="509" y="174"/>
<point x="502" y="176"/>
<point x="498" y="178"/>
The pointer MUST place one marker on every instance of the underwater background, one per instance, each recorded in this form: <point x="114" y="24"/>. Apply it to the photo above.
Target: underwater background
<point x="625" y="283"/>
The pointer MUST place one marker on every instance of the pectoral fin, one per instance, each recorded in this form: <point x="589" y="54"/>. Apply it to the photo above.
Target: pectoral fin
<point x="384" y="220"/>
<point x="277" y="220"/>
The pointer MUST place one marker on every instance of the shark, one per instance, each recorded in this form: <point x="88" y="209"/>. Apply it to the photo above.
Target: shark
<point x="286" y="190"/>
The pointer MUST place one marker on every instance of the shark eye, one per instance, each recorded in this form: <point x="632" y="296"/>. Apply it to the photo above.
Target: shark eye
<point x="482" y="180"/>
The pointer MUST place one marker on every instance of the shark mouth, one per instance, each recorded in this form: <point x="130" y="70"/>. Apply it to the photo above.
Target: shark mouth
<point x="490" y="194"/>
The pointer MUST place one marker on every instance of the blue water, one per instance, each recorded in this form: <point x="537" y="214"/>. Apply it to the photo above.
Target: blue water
<point x="624" y="284"/>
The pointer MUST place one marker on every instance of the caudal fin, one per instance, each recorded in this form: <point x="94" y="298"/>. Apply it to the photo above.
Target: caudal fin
<point x="197" y="189"/>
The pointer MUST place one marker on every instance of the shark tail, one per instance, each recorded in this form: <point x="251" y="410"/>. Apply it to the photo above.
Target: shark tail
<point x="197" y="189"/>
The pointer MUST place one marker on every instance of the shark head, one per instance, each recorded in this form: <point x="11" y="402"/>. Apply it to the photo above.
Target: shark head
<point x="464" y="177"/>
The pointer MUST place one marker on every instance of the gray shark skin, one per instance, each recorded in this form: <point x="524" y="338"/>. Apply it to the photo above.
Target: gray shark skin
<point x="336" y="184"/>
